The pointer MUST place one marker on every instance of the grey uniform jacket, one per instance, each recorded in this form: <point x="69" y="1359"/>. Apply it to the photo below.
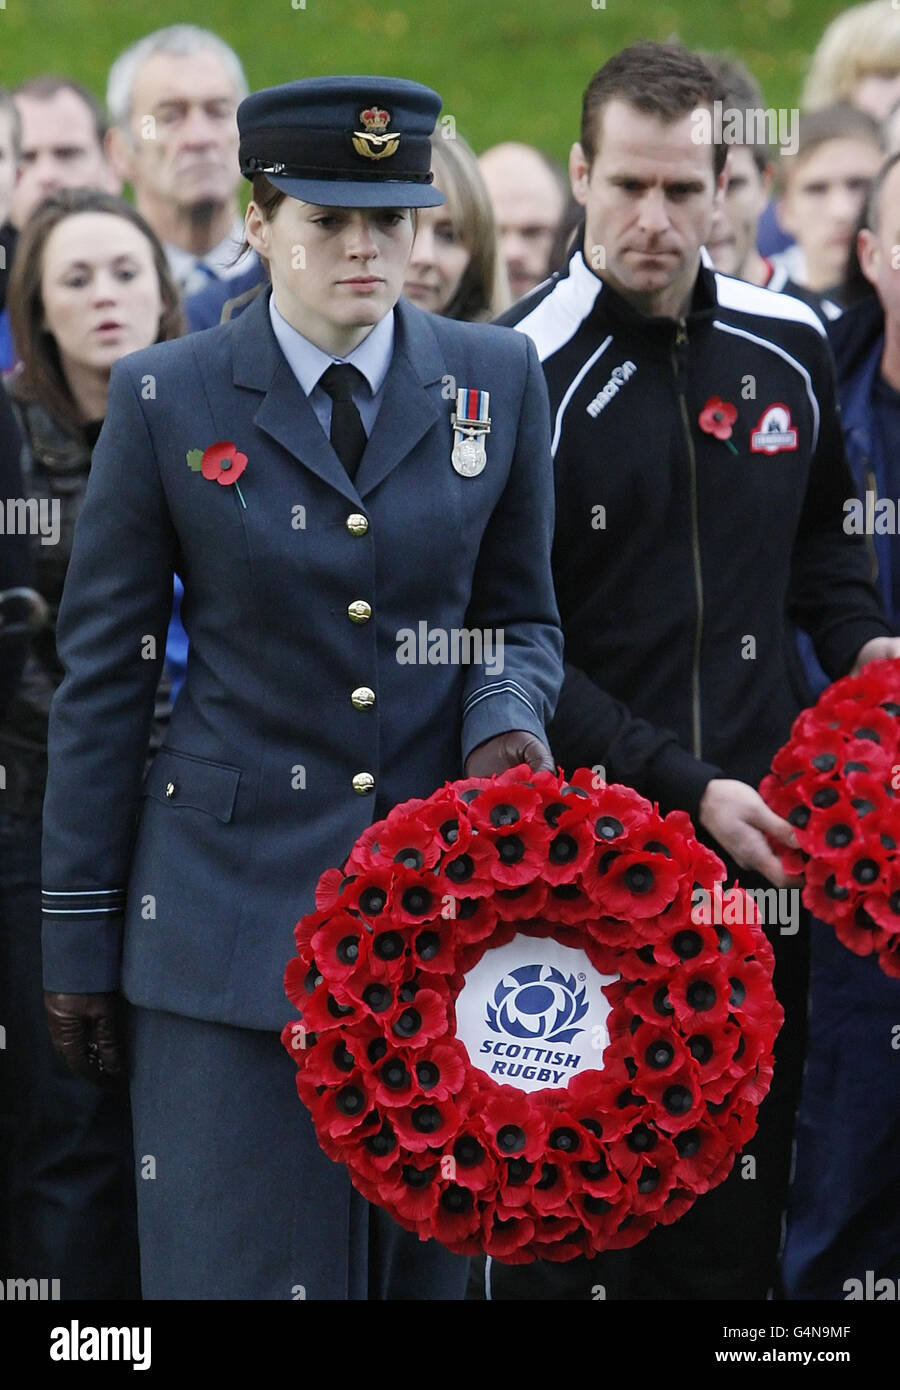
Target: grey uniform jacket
<point x="185" y="890"/>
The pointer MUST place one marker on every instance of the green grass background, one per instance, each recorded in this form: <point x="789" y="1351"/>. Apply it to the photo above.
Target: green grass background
<point x="506" y="69"/>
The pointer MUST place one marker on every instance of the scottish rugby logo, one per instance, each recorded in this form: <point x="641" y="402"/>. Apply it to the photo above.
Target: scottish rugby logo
<point x="538" y="1001"/>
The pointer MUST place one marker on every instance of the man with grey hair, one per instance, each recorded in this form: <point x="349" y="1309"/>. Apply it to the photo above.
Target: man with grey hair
<point x="172" y="98"/>
<point x="529" y="196"/>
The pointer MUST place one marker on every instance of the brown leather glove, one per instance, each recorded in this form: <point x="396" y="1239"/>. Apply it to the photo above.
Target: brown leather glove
<point x="508" y="750"/>
<point x="85" y="1030"/>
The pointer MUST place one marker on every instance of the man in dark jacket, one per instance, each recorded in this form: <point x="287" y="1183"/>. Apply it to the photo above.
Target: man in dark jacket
<point x="844" y="1217"/>
<point x="700" y="481"/>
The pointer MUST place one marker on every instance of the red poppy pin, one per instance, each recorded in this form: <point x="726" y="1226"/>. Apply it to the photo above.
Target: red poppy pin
<point x="717" y="417"/>
<point x="221" y="462"/>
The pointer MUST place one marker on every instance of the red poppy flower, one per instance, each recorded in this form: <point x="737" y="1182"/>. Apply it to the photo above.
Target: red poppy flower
<point x="717" y="417"/>
<point x="569" y="850"/>
<point x="339" y="946"/>
<point x="675" y="1101"/>
<point x="514" y="1128"/>
<point x="882" y="901"/>
<point x="331" y="1064"/>
<point x="329" y="888"/>
<point x="603" y="1219"/>
<point x="521" y="903"/>
<point x="697" y="943"/>
<point x="833" y="834"/>
<point x="639" y="885"/>
<point x="558" y="1237"/>
<point x="416" y="1187"/>
<point x="505" y="1234"/>
<point x="427" y="1123"/>
<point x="377" y="1156"/>
<point x="859" y="932"/>
<point x="374" y="984"/>
<point x="416" y="897"/>
<point x="433" y="948"/>
<point x="327" y="1007"/>
<point x="701" y="1149"/>
<point x="467" y="873"/>
<point x="364" y="854"/>
<point x="657" y="1052"/>
<point x="342" y="1109"/>
<point x="824" y="755"/>
<point x="638" y="966"/>
<point x="699" y="996"/>
<point x="222" y="462"/>
<point x="469" y="1160"/>
<point x="441" y="1069"/>
<point x="622" y="813"/>
<point x="475" y="918"/>
<point x="504" y="807"/>
<point x="568" y="903"/>
<point x="420" y="1019"/>
<point x="519" y="854"/>
<point x="457" y="1217"/>
<point x="409" y="841"/>
<point x="467" y="789"/>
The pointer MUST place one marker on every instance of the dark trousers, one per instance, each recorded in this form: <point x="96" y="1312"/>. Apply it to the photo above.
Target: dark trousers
<point x="68" y="1207"/>
<point x="726" y="1246"/>
<point x="844" y="1212"/>
<point x="235" y="1198"/>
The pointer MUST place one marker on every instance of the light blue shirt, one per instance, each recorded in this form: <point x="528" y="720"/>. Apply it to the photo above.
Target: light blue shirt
<point x="372" y="357"/>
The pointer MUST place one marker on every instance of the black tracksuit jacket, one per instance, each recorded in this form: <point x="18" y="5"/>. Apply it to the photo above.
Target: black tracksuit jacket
<point x="679" y="563"/>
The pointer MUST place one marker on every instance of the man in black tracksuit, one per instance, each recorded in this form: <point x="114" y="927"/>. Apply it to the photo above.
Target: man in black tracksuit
<point x="700" y="487"/>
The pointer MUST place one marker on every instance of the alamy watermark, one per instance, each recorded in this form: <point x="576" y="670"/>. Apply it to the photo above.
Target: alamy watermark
<point x="31" y="516"/>
<point x="753" y="125"/>
<point x="455" y="646"/>
<point x="23" y="1290"/>
<point x="774" y="907"/>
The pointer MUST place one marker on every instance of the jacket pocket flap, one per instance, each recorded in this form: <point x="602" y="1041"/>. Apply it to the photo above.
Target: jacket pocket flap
<point x="179" y="779"/>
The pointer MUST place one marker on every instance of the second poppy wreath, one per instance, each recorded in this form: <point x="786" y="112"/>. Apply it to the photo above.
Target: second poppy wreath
<point x="837" y="780"/>
<point x="515" y="1028"/>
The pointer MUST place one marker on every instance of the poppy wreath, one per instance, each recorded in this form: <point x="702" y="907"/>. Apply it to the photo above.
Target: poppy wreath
<point x="836" y="781"/>
<point x="594" y="1155"/>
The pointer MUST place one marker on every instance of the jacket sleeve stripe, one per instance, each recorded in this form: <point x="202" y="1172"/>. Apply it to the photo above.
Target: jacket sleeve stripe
<point x="572" y="388"/>
<point x="499" y="688"/>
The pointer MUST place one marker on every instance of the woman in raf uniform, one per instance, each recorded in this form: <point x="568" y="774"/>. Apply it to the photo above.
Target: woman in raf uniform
<point x="300" y="469"/>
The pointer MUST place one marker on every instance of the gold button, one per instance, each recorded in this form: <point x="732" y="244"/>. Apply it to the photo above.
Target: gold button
<point x="170" y="789"/>
<point x="359" y="611"/>
<point x="362" y="697"/>
<point x="363" y="783"/>
<point x="357" y="524"/>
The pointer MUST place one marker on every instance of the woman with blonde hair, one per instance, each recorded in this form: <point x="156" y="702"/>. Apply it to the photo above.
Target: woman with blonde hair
<point x="857" y="60"/>
<point x="456" y="268"/>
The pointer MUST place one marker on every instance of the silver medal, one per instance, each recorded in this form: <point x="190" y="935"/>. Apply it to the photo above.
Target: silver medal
<point x="469" y="457"/>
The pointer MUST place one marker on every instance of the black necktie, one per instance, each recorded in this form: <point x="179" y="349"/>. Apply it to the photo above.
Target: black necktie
<point x="347" y="434"/>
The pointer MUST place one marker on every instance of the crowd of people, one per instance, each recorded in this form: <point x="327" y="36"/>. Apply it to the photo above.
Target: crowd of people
<point x="697" y="265"/>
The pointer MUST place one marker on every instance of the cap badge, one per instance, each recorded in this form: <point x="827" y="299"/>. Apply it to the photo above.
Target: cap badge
<point x="374" y="142"/>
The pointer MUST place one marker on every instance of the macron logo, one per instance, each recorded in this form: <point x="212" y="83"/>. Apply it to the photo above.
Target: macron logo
<point x="77" y="1343"/>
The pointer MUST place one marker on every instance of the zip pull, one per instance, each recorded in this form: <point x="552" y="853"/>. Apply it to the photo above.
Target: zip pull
<point x="679" y="356"/>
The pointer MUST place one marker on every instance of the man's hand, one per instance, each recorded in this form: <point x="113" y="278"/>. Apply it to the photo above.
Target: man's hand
<point x="508" y="750"/>
<point x="85" y="1031"/>
<point x="876" y="649"/>
<point x="739" y="820"/>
